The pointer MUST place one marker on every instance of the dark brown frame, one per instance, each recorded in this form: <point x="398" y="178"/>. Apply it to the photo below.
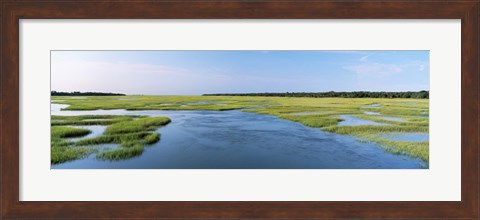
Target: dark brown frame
<point x="11" y="11"/>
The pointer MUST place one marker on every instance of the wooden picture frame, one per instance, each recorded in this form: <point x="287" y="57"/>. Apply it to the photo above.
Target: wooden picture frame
<point x="12" y="11"/>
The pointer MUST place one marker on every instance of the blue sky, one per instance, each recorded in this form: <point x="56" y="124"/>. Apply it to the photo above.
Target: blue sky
<point x="200" y="72"/>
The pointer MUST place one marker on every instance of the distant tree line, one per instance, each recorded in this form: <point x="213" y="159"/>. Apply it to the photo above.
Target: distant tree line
<point x="76" y="93"/>
<point x="360" y="94"/>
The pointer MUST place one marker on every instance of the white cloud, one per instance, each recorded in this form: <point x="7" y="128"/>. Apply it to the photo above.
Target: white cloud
<point x="417" y="65"/>
<point x="365" y="58"/>
<point x="421" y="68"/>
<point x="374" y="69"/>
<point x="377" y="76"/>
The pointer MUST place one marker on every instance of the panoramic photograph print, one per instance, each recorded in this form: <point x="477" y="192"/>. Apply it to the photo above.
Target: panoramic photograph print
<point x="239" y="109"/>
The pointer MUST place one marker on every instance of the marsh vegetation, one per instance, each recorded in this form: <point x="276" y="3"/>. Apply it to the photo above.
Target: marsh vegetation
<point x="378" y="120"/>
<point x="131" y="133"/>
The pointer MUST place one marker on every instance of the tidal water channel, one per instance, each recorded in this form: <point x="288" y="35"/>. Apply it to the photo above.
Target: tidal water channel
<point x="241" y="140"/>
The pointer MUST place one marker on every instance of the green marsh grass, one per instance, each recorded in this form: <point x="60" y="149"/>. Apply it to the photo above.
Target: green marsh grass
<point x="121" y="153"/>
<point x="142" y="124"/>
<point x="67" y="132"/>
<point x="66" y="153"/>
<point x="91" y="119"/>
<point x="131" y="135"/>
<point x="61" y="149"/>
<point x="322" y="113"/>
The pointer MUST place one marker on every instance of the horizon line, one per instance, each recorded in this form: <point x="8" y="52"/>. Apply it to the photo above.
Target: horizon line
<point x="233" y="93"/>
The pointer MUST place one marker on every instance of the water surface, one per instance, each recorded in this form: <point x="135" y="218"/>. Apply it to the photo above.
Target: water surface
<point x="350" y="120"/>
<point x="243" y="140"/>
<point x="375" y="105"/>
<point x="413" y="136"/>
<point x="96" y="130"/>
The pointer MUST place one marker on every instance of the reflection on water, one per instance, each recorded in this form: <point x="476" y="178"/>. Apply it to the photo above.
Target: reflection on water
<point x="96" y="130"/>
<point x="389" y="118"/>
<point x="413" y="136"/>
<point x="56" y="108"/>
<point x="376" y="105"/>
<point x="235" y="139"/>
<point x="350" y="120"/>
